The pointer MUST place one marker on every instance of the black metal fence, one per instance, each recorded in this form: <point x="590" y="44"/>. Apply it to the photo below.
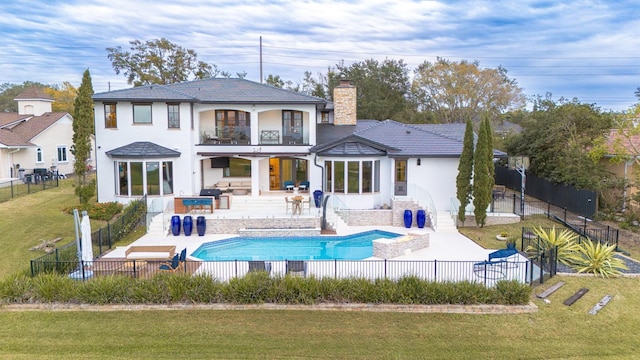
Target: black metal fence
<point x="518" y="269"/>
<point x="29" y="184"/>
<point x="581" y="202"/>
<point x="102" y="240"/>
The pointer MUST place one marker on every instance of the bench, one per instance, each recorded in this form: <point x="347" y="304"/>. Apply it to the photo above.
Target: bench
<point x="157" y="252"/>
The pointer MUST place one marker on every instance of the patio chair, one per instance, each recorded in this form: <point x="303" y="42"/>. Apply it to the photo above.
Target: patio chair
<point x="289" y="185"/>
<point x="289" y="204"/>
<point x="304" y="185"/>
<point x="297" y="267"/>
<point x="306" y="204"/>
<point x="260" y="266"/>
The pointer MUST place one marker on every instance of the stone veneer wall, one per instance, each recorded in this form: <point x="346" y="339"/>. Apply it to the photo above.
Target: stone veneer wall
<point x="344" y="103"/>
<point x="490" y="220"/>
<point x="399" y="206"/>
<point x="279" y="232"/>
<point x="391" y="248"/>
<point x="233" y="226"/>
<point x="368" y="217"/>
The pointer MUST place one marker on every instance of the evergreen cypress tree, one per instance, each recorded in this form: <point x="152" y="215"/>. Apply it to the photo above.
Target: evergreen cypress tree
<point x="491" y="168"/>
<point x="465" y="171"/>
<point x="82" y="130"/>
<point x="481" y="182"/>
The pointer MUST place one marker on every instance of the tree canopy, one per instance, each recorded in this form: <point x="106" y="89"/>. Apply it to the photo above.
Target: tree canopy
<point x="457" y="91"/>
<point x="63" y="95"/>
<point x="558" y="136"/>
<point x="158" y="61"/>
<point x="382" y="88"/>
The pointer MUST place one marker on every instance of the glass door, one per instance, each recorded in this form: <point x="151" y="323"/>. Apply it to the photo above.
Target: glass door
<point x="400" y="177"/>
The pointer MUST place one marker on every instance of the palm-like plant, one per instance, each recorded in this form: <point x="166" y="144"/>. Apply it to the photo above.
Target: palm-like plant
<point x="565" y="240"/>
<point x="595" y="258"/>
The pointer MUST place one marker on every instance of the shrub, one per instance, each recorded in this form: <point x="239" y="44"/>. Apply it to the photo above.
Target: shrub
<point x="255" y="288"/>
<point x="595" y="258"/>
<point x="564" y="240"/>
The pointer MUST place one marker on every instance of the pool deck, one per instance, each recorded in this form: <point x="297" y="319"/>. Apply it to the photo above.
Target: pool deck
<point x="442" y="245"/>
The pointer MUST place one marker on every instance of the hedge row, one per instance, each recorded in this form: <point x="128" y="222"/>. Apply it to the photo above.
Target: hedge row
<point x="255" y="288"/>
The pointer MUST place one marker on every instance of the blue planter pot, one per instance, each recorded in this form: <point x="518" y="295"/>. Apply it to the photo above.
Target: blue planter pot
<point x="421" y="218"/>
<point x="201" y="225"/>
<point x="187" y="224"/>
<point x="175" y="225"/>
<point x="408" y="218"/>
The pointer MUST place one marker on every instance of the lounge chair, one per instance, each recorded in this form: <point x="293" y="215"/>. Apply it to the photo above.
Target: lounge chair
<point x="304" y="185"/>
<point x="176" y="261"/>
<point x="259" y="266"/>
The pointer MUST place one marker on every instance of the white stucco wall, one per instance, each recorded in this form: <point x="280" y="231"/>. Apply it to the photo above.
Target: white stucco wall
<point x="435" y="175"/>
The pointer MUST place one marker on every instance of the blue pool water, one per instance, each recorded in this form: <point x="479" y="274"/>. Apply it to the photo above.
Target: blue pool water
<point x="350" y="247"/>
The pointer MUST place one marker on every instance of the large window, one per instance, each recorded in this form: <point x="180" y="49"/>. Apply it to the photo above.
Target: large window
<point x="142" y="113"/>
<point x="62" y="153"/>
<point x="292" y="127"/>
<point x="173" y="115"/>
<point x="238" y="168"/>
<point x="360" y="177"/>
<point x="137" y="178"/>
<point x="110" y="119"/>
<point x="233" y="126"/>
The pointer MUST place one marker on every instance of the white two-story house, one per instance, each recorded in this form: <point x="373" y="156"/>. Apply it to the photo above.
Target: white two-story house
<point x="173" y="140"/>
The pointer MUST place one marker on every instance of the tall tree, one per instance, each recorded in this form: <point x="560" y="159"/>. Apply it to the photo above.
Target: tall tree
<point x="492" y="171"/>
<point x="382" y="88"/>
<point x="558" y="137"/>
<point x="456" y="91"/>
<point x="482" y="184"/>
<point x="158" y="61"/>
<point x="82" y="130"/>
<point x="64" y="97"/>
<point x="465" y="172"/>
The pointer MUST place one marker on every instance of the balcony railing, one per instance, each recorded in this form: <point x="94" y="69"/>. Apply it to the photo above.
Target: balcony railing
<point x="226" y="135"/>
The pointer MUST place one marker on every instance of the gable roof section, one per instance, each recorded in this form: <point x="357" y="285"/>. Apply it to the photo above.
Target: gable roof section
<point x="21" y="132"/>
<point x="213" y="90"/>
<point x="10" y="119"/>
<point x="34" y="93"/>
<point x="401" y="140"/>
<point x="142" y="150"/>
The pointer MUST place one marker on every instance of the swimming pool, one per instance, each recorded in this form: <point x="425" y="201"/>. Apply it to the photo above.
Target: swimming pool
<point x="350" y="247"/>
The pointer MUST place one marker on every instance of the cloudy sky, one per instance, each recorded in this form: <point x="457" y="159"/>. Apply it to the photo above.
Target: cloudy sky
<point x="588" y="49"/>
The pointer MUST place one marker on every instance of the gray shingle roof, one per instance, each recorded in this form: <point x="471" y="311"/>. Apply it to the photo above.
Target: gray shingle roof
<point x="210" y="91"/>
<point x="142" y="150"/>
<point x="400" y="140"/>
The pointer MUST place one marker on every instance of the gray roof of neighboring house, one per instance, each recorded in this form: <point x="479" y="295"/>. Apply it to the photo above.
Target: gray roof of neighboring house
<point x="215" y="90"/>
<point x="397" y="139"/>
<point x="507" y="127"/>
<point x="142" y="149"/>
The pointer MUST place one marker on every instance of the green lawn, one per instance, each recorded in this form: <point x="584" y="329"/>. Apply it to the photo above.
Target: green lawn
<point x="556" y="331"/>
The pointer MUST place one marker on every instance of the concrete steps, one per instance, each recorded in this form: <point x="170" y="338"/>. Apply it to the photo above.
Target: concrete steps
<point x="444" y="222"/>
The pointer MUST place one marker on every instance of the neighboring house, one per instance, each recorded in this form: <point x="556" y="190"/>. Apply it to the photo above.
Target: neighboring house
<point x="507" y="128"/>
<point x="166" y="140"/>
<point x="35" y="137"/>
<point x="626" y="150"/>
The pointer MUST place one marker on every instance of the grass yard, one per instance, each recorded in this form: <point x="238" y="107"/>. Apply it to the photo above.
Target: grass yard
<point x="556" y="331"/>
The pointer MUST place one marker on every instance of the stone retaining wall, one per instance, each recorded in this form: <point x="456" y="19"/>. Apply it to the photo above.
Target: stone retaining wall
<point x="391" y="248"/>
<point x="233" y="226"/>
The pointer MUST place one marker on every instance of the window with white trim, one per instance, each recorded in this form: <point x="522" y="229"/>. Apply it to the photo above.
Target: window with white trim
<point x="142" y="113"/>
<point x="62" y="153"/>
<point x="39" y="155"/>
